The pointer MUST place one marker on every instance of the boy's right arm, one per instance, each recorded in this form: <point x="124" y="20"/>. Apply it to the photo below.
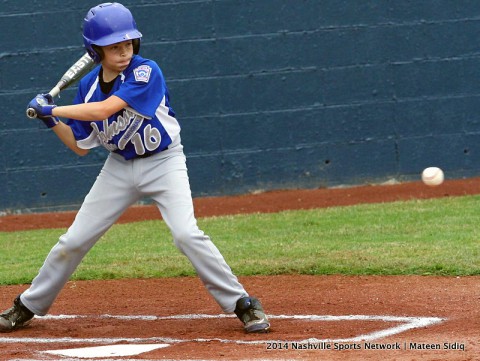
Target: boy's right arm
<point x="43" y="105"/>
<point x="65" y="133"/>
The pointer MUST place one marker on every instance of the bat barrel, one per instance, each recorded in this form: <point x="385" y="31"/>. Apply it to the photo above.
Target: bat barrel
<point x="75" y="72"/>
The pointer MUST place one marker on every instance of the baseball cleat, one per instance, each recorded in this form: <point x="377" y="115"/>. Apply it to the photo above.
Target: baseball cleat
<point x="250" y="311"/>
<point x="16" y="317"/>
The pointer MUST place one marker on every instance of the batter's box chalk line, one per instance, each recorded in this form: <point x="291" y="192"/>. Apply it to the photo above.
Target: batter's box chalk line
<point x="403" y="324"/>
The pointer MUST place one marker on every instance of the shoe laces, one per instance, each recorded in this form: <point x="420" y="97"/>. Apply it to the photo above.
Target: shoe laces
<point x="17" y="313"/>
<point x="253" y="315"/>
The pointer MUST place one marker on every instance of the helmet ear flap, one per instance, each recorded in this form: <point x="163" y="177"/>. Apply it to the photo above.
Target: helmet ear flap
<point x="93" y="55"/>
<point x="96" y="53"/>
<point x="136" y="45"/>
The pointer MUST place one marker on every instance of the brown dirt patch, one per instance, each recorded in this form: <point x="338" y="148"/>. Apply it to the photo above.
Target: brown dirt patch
<point x="454" y="299"/>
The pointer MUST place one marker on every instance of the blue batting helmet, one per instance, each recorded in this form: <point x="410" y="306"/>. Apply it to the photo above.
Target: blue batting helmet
<point x="107" y="24"/>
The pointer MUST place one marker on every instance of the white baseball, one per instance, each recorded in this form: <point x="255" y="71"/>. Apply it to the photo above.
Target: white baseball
<point x="432" y="176"/>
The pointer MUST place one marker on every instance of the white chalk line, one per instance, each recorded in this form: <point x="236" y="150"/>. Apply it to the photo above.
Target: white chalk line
<point x="407" y="323"/>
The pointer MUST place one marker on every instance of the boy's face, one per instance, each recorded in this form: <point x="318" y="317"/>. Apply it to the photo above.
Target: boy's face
<point x="117" y="56"/>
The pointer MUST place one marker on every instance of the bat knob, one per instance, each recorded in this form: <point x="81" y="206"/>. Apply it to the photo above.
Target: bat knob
<point x="31" y="113"/>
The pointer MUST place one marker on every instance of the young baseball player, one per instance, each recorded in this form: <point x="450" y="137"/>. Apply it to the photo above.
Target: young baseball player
<point x="124" y="105"/>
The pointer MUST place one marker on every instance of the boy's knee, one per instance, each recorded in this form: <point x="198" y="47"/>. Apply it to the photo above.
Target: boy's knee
<point x="185" y="238"/>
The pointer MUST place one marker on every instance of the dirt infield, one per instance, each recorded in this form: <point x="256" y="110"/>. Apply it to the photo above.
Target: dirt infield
<point x="313" y="317"/>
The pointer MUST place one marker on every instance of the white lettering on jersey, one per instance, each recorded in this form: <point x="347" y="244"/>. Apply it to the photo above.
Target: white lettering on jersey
<point x="136" y="123"/>
<point x="128" y="119"/>
<point x="103" y="137"/>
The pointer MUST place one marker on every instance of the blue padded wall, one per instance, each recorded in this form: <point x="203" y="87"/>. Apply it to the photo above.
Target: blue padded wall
<point x="270" y="94"/>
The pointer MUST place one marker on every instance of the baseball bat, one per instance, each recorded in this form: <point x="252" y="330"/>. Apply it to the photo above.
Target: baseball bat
<point x="74" y="73"/>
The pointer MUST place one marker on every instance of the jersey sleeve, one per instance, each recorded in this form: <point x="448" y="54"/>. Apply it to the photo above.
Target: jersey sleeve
<point x="144" y="88"/>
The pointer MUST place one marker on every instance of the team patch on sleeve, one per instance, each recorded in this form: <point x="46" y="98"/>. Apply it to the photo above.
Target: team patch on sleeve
<point x="142" y="73"/>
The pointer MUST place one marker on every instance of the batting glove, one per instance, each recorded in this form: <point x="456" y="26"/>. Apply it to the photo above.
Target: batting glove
<point x="43" y="105"/>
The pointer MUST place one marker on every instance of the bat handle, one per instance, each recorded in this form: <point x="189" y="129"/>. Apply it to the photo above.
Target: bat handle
<point x="55" y="91"/>
<point x="31" y="113"/>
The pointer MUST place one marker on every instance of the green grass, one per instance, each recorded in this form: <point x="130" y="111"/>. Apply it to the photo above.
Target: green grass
<point x="429" y="237"/>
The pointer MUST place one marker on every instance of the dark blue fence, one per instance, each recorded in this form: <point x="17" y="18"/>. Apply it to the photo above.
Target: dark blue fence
<point x="270" y="94"/>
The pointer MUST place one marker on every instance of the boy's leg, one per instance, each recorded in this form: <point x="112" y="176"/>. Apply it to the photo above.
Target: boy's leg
<point x="106" y="201"/>
<point x="174" y="200"/>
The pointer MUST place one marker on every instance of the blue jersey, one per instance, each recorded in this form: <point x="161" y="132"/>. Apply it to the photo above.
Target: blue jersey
<point x="147" y="126"/>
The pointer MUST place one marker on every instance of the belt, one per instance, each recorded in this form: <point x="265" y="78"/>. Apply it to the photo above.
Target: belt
<point x="145" y="155"/>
